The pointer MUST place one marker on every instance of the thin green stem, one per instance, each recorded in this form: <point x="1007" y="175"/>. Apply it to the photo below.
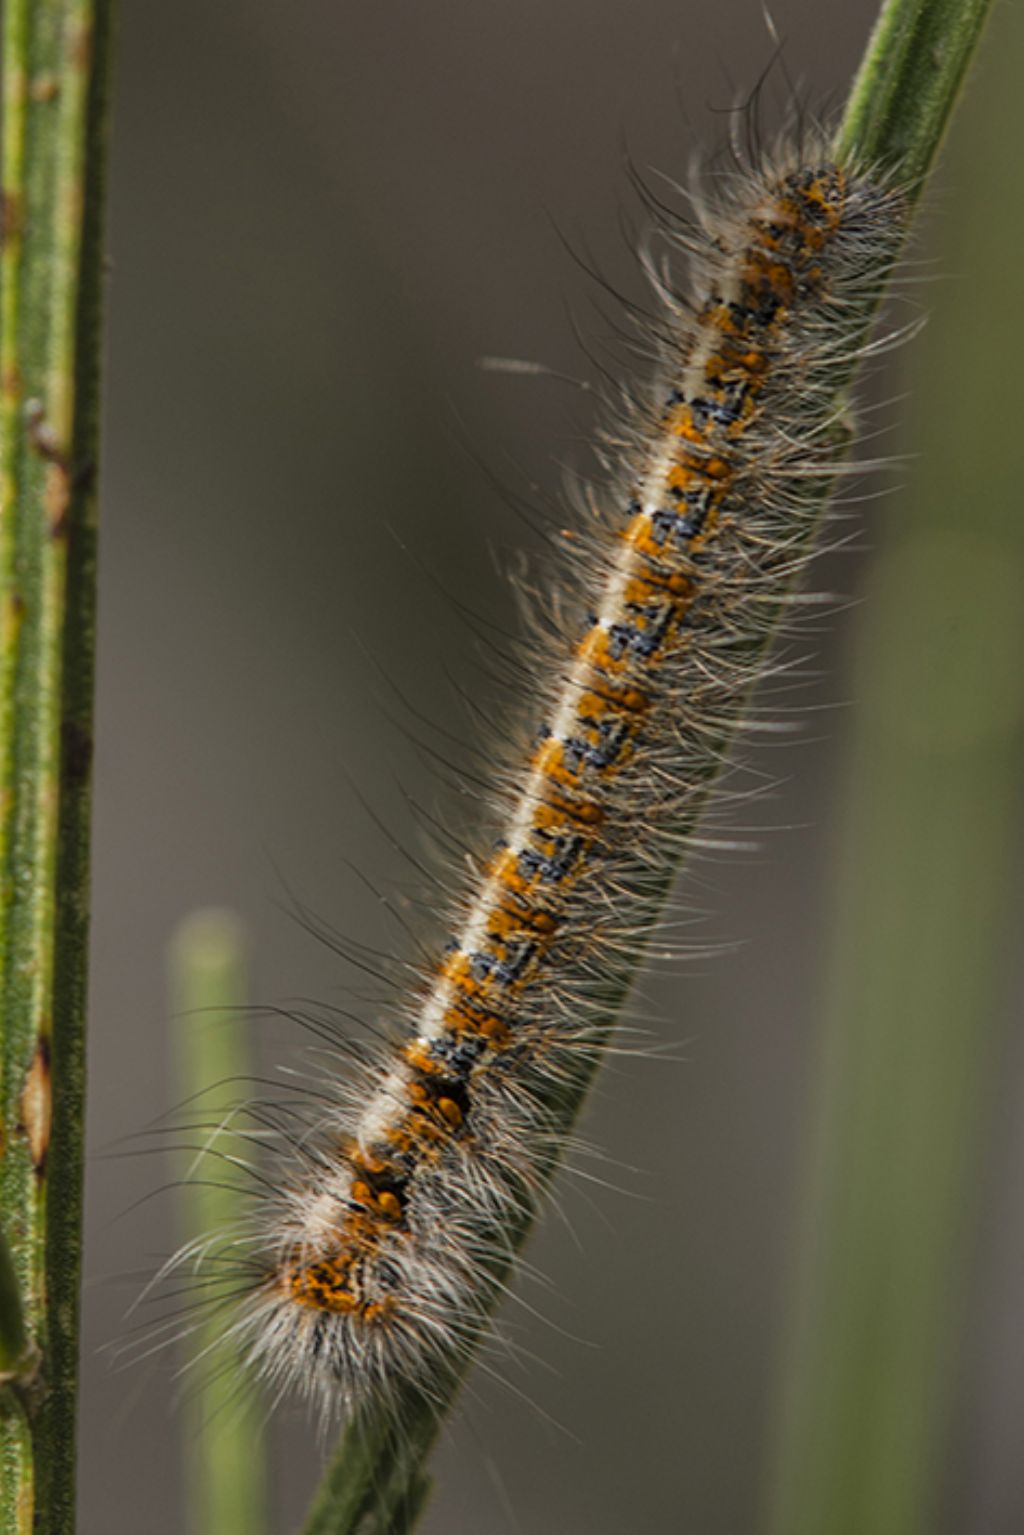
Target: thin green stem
<point x="226" y="1484"/>
<point x="54" y="90"/>
<point x="896" y="117"/>
<point x="908" y="84"/>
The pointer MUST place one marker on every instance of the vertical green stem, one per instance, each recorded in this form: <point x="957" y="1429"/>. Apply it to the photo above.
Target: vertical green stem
<point x="55" y="56"/>
<point x="227" y="1491"/>
<point x="909" y="81"/>
<point x="921" y="933"/>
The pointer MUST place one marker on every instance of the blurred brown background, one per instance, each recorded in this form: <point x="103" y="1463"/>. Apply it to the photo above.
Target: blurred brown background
<point x="322" y="215"/>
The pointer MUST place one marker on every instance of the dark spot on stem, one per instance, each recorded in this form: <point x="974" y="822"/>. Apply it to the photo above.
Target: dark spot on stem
<point x="81" y="48"/>
<point x="10" y="216"/>
<point x="41" y="434"/>
<point x="76" y="752"/>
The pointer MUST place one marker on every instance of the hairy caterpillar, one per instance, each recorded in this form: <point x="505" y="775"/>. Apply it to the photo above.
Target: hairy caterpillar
<point x="376" y="1258"/>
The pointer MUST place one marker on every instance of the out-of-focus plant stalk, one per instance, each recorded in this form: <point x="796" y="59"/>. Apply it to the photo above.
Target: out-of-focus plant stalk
<point x="226" y="1481"/>
<point x="55" y="63"/>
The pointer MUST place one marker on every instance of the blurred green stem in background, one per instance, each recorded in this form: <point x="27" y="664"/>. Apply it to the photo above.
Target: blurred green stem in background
<point x="55" y="59"/>
<point x="921" y="941"/>
<point x="899" y="106"/>
<point x="226" y="1473"/>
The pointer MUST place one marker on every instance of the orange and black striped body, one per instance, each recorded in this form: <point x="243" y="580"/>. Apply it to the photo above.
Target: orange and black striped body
<point x="375" y="1270"/>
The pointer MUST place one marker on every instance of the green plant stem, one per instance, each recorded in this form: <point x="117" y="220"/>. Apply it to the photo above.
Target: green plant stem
<point x="908" y="84"/>
<point x="913" y="1017"/>
<point x="896" y="109"/>
<point x="227" y="1491"/>
<point x="55" y="58"/>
